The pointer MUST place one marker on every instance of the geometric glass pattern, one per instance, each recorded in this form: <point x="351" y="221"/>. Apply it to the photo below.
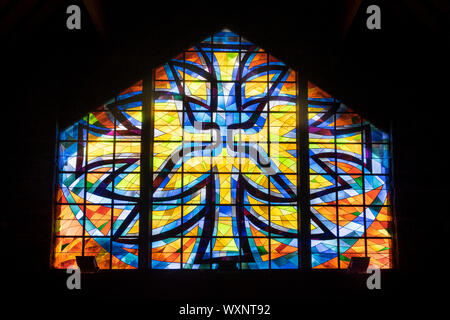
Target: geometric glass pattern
<point x="349" y="185"/>
<point x="224" y="159"/>
<point x="224" y="171"/>
<point x="97" y="210"/>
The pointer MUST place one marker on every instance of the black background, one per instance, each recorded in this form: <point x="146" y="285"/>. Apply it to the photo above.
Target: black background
<point x="397" y="77"/>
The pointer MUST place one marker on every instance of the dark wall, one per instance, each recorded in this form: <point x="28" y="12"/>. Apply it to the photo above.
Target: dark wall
<point x="397" y="77"/>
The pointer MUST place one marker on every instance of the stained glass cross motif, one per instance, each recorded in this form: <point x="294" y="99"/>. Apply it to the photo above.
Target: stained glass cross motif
<point x="224" y="178"/>
<point x="225" y="148"/>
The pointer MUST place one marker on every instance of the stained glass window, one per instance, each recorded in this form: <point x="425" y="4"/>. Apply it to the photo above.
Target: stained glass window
<point x="221" y="155"/>
<point x="97" y="196"/>
<point x="224" y="159"/>
<point x="349" y="183"/>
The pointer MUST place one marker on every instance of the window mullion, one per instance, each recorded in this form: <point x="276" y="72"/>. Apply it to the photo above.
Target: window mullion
<point x="303" y="173"/>
<point x="146" y="178"/>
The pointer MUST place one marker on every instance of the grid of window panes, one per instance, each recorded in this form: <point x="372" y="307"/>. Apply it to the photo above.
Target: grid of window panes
<point x="349" y="183"/>
<point x="223" y="171"/>
<point x="224" y="159"/>
<point x="98" y="175"/>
